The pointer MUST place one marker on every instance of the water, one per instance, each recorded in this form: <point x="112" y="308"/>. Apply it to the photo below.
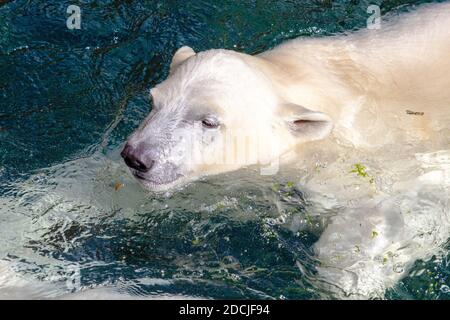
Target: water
<point x="72" y="220"/>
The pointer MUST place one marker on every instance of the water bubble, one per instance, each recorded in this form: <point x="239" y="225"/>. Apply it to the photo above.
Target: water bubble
<point x="398" y="268"/>
<point x="235" y="277"/>
<point x="445" y="289"/>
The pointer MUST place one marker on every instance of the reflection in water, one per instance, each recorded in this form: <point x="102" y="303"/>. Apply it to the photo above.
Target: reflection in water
<point x="72" y="220"/>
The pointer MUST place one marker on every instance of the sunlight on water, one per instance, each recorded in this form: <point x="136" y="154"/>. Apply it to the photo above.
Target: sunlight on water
<point x="74" y="223"/>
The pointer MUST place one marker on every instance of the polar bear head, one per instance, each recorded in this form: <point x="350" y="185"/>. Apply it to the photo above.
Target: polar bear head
<point x="216" y="112"/>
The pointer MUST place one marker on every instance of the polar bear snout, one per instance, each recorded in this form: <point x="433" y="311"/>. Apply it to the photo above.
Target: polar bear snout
<point x="136" y="159"/>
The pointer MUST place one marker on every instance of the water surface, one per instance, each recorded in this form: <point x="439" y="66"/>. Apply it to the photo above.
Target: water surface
<point x="72" y="219"/>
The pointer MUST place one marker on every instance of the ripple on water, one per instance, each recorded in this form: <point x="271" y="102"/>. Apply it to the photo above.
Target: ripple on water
<point x="70" y="98"/>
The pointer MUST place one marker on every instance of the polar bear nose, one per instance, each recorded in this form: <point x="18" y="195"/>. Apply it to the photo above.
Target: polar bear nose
<point x="135" y="159"/>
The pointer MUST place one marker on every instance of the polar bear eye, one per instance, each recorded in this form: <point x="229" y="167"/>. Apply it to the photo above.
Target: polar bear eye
<point x="210" y="123"/>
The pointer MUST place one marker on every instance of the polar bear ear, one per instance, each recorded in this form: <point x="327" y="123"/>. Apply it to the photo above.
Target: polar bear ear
<point x="304" y="123"/>
<point x="180" y="56"/>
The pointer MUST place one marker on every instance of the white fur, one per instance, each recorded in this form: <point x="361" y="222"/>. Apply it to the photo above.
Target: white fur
<point x="364" y="82"/>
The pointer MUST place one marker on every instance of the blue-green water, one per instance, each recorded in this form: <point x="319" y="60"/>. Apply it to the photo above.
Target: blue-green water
<point x="69" y="99"/>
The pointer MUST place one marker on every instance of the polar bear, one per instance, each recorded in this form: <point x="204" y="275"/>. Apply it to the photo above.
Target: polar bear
<point x="221" y="110"/>
<point x="357" y="87"/>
